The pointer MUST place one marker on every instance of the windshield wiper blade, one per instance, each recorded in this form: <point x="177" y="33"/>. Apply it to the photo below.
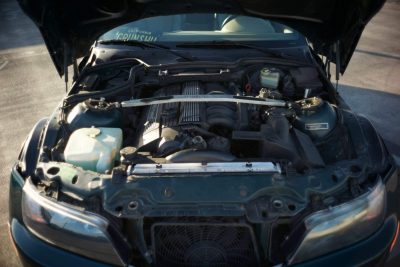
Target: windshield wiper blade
<point x="146" y="44"/>
<point x="232" y="43"/>
<point x="132" y="43"/>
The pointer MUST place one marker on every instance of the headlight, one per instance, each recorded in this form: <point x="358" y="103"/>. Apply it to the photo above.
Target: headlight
<point x="70" y="229"/>
<point x="340" y="226"/>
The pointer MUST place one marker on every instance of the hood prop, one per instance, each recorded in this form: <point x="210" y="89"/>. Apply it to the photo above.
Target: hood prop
<point x="327" y="65"/>
<point x="75" y="64"/>
<point x="66" y="66"/>
<point x="337" y="51"/>
<point x="67" y="54"/>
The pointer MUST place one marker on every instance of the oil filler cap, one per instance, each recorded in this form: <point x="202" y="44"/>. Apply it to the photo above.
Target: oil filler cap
<point x="93" y="132"/>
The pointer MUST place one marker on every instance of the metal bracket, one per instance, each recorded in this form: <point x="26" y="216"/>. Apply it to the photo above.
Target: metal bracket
<point x="53" y="190"/>
<point x="117" y="173"/>
<point x="291" y="173"/>
<point x="355" y="189"/>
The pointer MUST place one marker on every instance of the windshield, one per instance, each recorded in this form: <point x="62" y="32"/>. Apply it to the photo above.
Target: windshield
<point x="207" y="27"/>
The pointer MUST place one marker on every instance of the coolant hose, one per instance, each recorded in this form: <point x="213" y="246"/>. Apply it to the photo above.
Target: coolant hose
<point x="206" y="155"/>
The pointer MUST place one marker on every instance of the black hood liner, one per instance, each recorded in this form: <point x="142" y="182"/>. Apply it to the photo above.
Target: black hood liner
<point x="72" y="26"/>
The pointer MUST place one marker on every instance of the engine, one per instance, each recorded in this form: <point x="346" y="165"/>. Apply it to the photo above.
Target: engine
<point x="210" y="131"/>
<point x="168" y="128"/>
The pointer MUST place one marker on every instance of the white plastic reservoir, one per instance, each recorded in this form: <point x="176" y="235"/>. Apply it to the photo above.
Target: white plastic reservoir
<point x="94" y="149"/>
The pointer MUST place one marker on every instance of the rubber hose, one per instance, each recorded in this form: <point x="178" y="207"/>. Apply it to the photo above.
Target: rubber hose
<point x="193" y="155"/>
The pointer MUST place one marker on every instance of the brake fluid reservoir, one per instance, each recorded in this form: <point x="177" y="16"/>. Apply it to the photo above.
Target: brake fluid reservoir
<point x="94" y="149"/>
<point x="269" y="79"/>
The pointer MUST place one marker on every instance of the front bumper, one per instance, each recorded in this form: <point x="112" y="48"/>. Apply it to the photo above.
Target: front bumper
<point x="373" y="251"/>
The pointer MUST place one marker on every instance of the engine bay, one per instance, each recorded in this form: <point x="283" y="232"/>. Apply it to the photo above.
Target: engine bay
<point x="256" y="114"/>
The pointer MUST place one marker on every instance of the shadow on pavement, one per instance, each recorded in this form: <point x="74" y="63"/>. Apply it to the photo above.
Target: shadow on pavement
<point x="381" y="108"/>
<point x="376" y="54"/>
<point x="16" y="29"/>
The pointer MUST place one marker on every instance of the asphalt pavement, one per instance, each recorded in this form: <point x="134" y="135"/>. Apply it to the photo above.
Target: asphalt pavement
<point x="30" y="89"/>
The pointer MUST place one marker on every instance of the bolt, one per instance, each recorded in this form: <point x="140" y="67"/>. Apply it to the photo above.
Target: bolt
<point x="168" y="192"/>
<point x="133" y="205"/>
<point x="277" y="203"/>
<point x="317" y="198"/>
<point x="277" y="177"/>
<point x="101" y="103"/>
<point x="242" y="192"/>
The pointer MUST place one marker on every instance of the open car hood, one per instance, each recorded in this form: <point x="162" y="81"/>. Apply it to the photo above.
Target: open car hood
<point x="70" y="27"/>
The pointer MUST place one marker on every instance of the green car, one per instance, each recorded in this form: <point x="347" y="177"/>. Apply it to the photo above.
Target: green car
<point x="203" y="133"/>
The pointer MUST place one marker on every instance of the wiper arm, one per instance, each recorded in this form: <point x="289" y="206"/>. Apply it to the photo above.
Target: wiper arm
<point x="146" y="44"/>
<point x="232" y="43"/>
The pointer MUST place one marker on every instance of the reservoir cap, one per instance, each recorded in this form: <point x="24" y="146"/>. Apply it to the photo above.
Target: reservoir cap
<point x="93" y="132"/>
<point x="129" y="152"/>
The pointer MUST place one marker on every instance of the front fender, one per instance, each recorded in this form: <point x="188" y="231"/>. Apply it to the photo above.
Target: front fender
<point x="377" y="150"/>
<point x="30" y="149"/>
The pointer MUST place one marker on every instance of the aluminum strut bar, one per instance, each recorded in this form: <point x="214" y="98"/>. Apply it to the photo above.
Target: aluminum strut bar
<point x="203" y="98"/>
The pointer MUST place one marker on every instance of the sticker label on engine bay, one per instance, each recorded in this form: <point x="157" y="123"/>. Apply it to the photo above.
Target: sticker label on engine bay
<point x="317" y="126"/>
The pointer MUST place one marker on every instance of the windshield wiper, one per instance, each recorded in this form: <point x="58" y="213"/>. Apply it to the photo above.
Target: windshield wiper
<point x="232" y="43"/>
<point x="146" y="44"/>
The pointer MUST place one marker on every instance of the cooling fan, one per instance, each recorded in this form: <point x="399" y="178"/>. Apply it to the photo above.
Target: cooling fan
<point x="204" y="242"/>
